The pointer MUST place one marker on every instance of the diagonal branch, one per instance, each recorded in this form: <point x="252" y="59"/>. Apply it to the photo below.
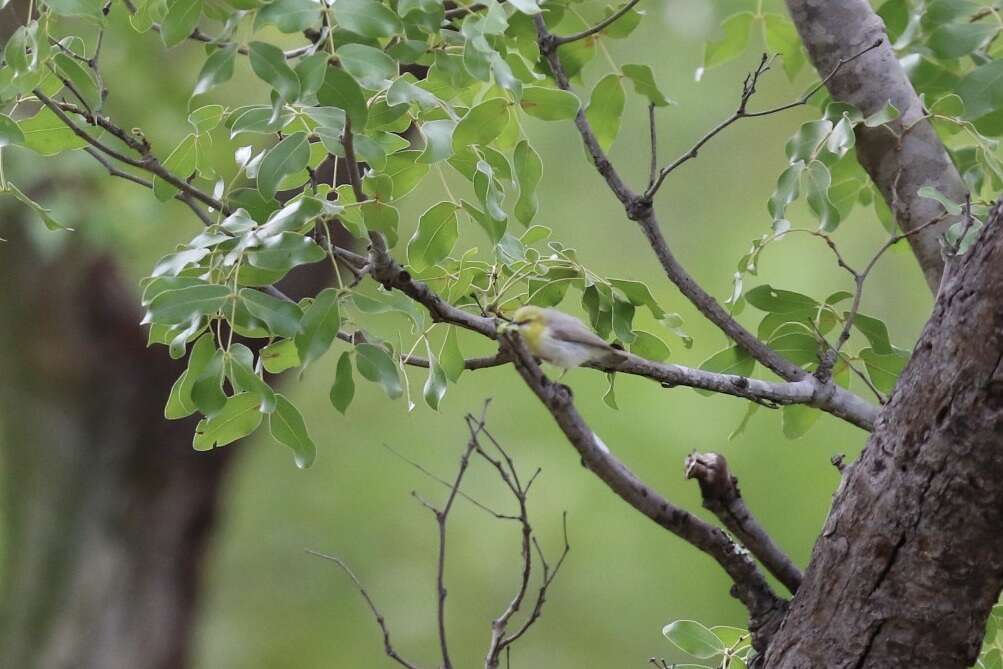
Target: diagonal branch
<point x="765" y="608"/>
<point x="642" y="211"/>
<point x="148" y="162"/>
<point x="387" y="645"/>
<point x="722" y="497"/>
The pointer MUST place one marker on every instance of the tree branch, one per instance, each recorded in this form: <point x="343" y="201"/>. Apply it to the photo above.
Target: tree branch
<point x="642" y="211"/>
<point x="722" y="497"/>
<point x="765" y="608"/>
<point x="148" y="162"/>
<point x="599" y="27"/>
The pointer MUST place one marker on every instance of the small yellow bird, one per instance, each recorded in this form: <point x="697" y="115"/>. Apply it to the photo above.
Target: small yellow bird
<point x="563" y="340"/>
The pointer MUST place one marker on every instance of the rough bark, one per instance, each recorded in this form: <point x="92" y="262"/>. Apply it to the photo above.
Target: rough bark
<point x="107" y="508"/>
<point x="911" y="557"/>
<point x="902" y="157"/>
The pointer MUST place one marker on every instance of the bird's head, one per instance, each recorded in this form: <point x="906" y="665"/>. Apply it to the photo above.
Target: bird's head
<point x="531" y="320"/>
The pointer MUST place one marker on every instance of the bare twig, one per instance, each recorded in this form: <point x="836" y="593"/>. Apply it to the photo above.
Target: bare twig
<point x="387" y="645"/>
<point x="722" y="497"/>
<point x="748" y="90"/>
<point x="181" y="197"/>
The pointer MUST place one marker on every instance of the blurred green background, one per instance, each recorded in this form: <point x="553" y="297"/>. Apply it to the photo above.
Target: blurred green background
<point x="269" y="604"/>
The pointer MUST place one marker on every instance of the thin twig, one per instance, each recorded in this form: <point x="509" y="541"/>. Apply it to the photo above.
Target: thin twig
<point x="599" y="27"/>
<point x="749" y="89"/>
<point x="387" y="645"/>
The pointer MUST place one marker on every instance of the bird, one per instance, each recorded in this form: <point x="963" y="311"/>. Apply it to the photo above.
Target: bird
<point x="563" y="340"/>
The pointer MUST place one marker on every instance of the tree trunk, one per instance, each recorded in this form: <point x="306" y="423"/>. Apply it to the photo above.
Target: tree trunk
<point x="108" y="510"/>
<point x="910" y="560"/>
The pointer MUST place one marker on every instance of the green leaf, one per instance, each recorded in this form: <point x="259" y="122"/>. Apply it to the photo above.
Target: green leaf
<point x="287" y="427"/>
<point x="44" y="133"/>
<point x="269" y="63"/>
<point x="782" y="37"/>
<point x="950" y="206"/>
<point x="875" y="331"/>
<point x="482" y="123"/>
<point x="435" y="237"/>
<point x="289" y="16"/>
<point x="732" y="360"/>
<point x="182" y="162"/>
<point x="293" y="217"/>
<point x="797" y="419"/>
<point x="609" y="397"/>
<point x="376" y="365"/>
<point x="205" y="119"/>
<point x="240" y="370"/>
<point x="438" y="141"/>
<point x="281" y="317"/>
<point x="954" y="40"/>
<point x="787" y="190"/>
<point x="287" y="157"/>
<point x="435" y="384"/>
<point x="884" y="370"/>
<point x="10" y="133"/>
<point x="182" y="18"/>
<point x="528" y="172"/>
<point x="85" y="8"/>
<point x="383" y="218"/>
<point x="817" y="181"/>
<point x="606" y="109"/>
<point x="649" y="346"/>
<point x="886" y="114"/>
<point x="367" y="18"/>
<point x="452" y="358"/>
<point x="805" y="143"/>
<point x="371" y="67"/>
<point x="282" y="252"/>
<point x="549" y="104"/>
<point x="43" y="213"/>
<point x="342" y="91"/>
<point x="321" y="321"/>
<point x="179" y="403"/>
<point x="280" y="356"/>
<point x="731" y="45"/>
<point x="238" y="418"/>
<point x="982" y="89"/>
<point x="179" y="306"/>
<point x="644" y="84"/>
<point x="623" y="26"/>
<point x="798" y="347"/>
<point x="207" y="390"/>
<point x="694" y="639"/>
<point x="639" y="295"/>
<point x="343" y="389"/>
<point x="773" y="300"/>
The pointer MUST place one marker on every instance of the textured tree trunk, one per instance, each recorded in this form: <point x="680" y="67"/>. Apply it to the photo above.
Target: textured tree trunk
<point x="107" y="508"/>
<point x="911" y="558"/>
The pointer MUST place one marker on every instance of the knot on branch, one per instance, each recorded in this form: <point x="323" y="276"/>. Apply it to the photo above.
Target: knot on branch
<point x="548" y="43"/>
<point x="717" y="486"/>
<point x="638" y="208"/>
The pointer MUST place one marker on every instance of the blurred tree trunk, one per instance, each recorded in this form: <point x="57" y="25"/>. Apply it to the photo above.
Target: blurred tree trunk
<point x="107" y="509"/>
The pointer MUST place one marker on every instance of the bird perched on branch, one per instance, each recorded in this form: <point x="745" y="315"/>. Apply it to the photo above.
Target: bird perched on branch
<point x="563" y="340"/>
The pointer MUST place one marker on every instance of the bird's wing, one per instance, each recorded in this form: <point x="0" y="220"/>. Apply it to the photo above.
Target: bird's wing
<point x="569" y="328"/>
